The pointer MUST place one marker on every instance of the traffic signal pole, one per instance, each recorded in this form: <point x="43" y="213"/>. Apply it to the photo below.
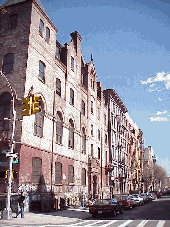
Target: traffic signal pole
<point x="7" y="211"/>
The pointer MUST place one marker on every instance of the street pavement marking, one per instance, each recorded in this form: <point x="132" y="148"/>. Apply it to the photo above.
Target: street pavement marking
<point x="160" y="223"/>
<point x="125" y="223"/>
<point x="142" y="223"/>
<point x="97" y="222"/>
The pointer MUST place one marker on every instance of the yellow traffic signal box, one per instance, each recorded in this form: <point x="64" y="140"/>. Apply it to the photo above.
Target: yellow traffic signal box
<point x="35" y="104"/>
<point x="26" y="106"/>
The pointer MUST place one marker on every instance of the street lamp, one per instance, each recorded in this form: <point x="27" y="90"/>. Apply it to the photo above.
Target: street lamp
<point x="10" y="155"/>
<point x="154" y="161"/>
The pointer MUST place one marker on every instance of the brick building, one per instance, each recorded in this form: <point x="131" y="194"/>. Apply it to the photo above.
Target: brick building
<point x="63" y="149"/>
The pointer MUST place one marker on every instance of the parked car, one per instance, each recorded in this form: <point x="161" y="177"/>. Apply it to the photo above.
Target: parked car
<point x="126" y="201"/>
<point x="145" y="197"/>
<point x="151" y="197"/>
<point x="137" y="199"/>
<point x="154" y="194"/>
<point x="105" y="206"/>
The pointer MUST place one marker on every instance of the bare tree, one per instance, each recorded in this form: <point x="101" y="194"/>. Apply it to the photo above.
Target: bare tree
<point x="160" y="177"/>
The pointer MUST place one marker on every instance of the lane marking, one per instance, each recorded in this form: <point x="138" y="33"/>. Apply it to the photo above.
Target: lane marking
<point x="142" y="223"/>
<point x="125" y="223"/>
<point x="160" y="223"/>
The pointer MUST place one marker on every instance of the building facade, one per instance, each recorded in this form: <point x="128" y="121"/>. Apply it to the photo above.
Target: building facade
<point x="81" y="144"/>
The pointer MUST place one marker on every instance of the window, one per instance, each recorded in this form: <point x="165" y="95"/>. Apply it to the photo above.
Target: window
<point x="5" y="104"/>
<point x="92" y="150"/>
<point x="42" y="71"/>
<point x="13" y="19"/>
<point x="71" y="134"/>
<point x="58" y="173"/>
<point x="83" y="176"/>
<point x="98" y="134"/>
<point x="58" y="87"/>
<point x="70" y="174"/>
<point x="83" y="107"/>
<point x="57" y="53"/>
<point x="98" y="113"/>
<point x="91" y="130"/>
<point x="41" y="27"/>
<point x="105" y="139"/>
<point x="71" y="96"/>
<point x="59" y="128"/>
<point x="112" y="118"/>
<point x="104" y="119"/>
<point x="47" y="35"/>
<point x="8" y="63"/>
<point x="36" y="170"/>
<point x="98" y="153"/>
<point x="72" y="63"/>
<point x="91" y="83"/>
<point x="83" y="141"/>
<point x="39" y="121"/>
<point x="91" y="106"/>
<point x="106" y="158"/>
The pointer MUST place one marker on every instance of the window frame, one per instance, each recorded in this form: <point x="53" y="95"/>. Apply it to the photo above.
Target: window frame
<point x="71" y="96"/>
<point x="58" y="86"/>
<point x="83" y="141"/>
<point x="41" y="75"/>
<point x="39" y="121"/>
<point x="12" y="23"/>
<point x="82" y="107"/>
<point x="71" y="134"/>
<point x="58" y="175"/>
<point x="47" y="37"/>
<point x="70" y="174"/>
<point x="36" y="170"/>
<point x="72" y="63"/>
<point x="8" y="62"/>
<point x="83" y="175"/>
<point x="41" y="27"/>
<point x="91" y="129"/>
<point x="59" y="128"/>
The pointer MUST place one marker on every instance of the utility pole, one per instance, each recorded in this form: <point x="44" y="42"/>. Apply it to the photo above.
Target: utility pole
<point x="10" y="155"/>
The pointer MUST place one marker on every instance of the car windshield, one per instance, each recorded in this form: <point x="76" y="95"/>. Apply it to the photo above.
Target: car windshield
<point x="123" y="198"/>
<point x="104" y="201"/>
<point x="135" y="196"/>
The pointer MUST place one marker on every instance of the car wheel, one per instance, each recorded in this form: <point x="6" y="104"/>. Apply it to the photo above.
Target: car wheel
<point x="94" y="215"/>
<point x="121" y="210"/>
<point x="114" y="213"/>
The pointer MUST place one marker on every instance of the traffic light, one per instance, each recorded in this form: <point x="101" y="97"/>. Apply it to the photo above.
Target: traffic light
<point x="26" y="106"/>
<point x="6" y="174"/>
<point x="35" y="104"/>
<point x="14" y="174"/>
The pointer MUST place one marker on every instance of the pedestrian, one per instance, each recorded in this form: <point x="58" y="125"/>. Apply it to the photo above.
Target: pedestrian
<point x="21" y="205"/>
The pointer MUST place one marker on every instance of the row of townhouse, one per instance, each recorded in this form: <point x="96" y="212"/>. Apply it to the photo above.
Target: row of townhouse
<point x="83" y="143"/>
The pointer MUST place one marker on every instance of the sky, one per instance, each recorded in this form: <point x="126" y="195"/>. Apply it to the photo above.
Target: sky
<point x="129" y="42"/>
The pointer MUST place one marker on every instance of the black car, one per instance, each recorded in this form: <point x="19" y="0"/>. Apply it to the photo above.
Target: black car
<point x="105" y="206"/>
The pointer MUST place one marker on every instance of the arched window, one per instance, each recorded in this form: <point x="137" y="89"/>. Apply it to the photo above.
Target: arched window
<point x="59" y="128"/>
<point x="83" y="141"/>
<point x="71" y="134"/>
<point x="8" y="63"/>
<point x="39" y="121"/>
<point x="5" y="104"/>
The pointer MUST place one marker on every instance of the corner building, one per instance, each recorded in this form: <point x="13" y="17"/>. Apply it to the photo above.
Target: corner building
<point x="63" y="149"/>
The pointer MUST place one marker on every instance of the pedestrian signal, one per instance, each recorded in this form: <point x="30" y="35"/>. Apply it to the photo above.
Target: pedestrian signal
<point x="26" y="106"/>
<point x="35" y="104"/>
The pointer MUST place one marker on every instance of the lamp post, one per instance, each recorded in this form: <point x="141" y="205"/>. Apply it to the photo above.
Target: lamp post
<point x="10" y="155"/>
<point x="154" y="161"/>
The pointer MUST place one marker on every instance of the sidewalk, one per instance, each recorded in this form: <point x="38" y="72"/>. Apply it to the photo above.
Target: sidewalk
<point x="41" y="219"/>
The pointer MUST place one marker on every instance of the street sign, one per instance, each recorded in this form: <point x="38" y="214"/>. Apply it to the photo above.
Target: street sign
<point x="4" y="164"/>
<point x="15" y="160"/>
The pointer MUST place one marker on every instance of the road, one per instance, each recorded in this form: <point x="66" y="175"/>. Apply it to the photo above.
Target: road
<point x="153" y="214"/>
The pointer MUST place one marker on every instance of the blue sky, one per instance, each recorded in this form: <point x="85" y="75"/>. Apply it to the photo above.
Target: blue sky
<point x="129" y="40"/>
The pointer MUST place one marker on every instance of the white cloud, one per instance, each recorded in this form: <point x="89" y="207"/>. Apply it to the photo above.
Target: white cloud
<point x="160" y="77"/>
<point x="159" y="112"/>
<point x="152" y="85"/>
<point x="158" y="119"/>
<point x="159" y="99"/>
